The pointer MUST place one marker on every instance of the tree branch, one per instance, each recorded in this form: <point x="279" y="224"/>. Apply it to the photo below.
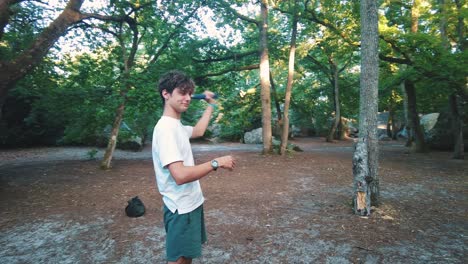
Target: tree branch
<point x="324" y="69"/>
<point x="172" y="35"/>
<point x="230" y="57"/>
<point x="233" y="69"/>
<point x="5" y="13"/>
<point x="394" y="60"/>
<point x="406" y="60"/>
<point x="239" y="15"/>
<point x="314" y="18"/>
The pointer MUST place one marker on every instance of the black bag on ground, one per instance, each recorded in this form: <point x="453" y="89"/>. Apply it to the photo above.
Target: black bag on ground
<point x="135" y="207"/>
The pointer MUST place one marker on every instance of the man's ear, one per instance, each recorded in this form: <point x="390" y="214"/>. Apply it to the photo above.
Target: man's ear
<point x="165" y="94"/>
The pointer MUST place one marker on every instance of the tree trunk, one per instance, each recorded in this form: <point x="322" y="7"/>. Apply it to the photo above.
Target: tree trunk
<point x="415" y="15"/>
<point x="365" y="157"/>
<point x="409" y="116"/>
<point x="275" y="98"/>
<point x="106" y="162"/>
<point x="457" y="127"/>
<point x="341" y="130"/>
<point x="336" y="93"/>
<point x="129" y="61"/>
<point x="393" y="129"/>
<point x="419" y="142"/>
<point x="276" y="130"/>
<point x="265" y="80"/>
<point x="443" y="24"/>
<point x="409" y="132"/>
<point x="461" y="26"/>
<point x="14" y="70"/>
<point x="287" y="97"/>
<point x="456" y="100"/>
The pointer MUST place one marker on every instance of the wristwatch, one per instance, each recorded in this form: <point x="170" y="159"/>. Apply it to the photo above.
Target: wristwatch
<point x="214" y="164"/>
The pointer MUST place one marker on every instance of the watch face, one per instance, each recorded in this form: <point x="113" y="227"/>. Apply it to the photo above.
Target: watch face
<point x="214" y="164"/>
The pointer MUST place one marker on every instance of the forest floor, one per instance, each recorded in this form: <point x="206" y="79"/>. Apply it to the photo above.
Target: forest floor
<point x="57" y="206"/>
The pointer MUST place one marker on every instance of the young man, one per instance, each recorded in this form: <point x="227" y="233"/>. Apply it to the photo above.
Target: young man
<point x="177" y="176"/>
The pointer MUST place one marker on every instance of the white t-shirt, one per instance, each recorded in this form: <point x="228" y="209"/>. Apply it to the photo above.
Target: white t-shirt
<point x="171" y="143"/>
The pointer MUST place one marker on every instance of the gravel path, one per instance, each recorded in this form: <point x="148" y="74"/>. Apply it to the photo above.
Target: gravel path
<point x="44" y="154"/>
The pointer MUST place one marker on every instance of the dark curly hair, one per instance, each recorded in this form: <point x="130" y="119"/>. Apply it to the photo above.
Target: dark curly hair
<point x="175" y="79"/>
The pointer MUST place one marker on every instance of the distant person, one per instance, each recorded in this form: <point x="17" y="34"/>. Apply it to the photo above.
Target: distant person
<point x="177" y="176"/>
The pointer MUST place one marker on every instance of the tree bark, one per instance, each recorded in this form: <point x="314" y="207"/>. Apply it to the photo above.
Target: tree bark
<point x="443" y="24"/>
<point x="415" y="132"/>
<point x="342" y="133"/>
<point x="275" y="98"/>
<point x="409" y="138"/>
<point x="415" y="15"/>
<point x="12" y="71"/>
<point x="112" y="143"/>
<point x="287" y="97"/>
<point x="415" y="126"/>
<point x="457" y="127"/>
<point x="336" y="93"/>
<point x="461" y="26"/>
<point x="265" y="80"/>
<point x="392" y="128"/>
<point x="365" y="157"/>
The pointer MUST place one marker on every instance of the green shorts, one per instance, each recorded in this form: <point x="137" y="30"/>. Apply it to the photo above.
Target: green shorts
<point x="185" y="233"/>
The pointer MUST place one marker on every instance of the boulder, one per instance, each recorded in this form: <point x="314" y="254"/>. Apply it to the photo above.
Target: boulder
<point x="133" y="142"/>
<point x="254" y="136"/>
<point x="438" y="132"/>
<point x="428" y="121"/>
<point x="127" y="139"/>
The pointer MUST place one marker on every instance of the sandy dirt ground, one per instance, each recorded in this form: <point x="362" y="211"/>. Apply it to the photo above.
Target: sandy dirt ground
<point x="57" y="206"/>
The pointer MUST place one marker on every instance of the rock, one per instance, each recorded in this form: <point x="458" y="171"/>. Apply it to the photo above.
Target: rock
<point x="134" y="143"/>
<point x="254" y="136"/>
<point x="127" y="139"/>
<point x="429" y="121"/>
<point x="438" y="132"/>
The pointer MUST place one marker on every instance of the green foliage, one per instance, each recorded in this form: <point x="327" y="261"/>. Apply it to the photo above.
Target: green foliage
<point x="72" y="98"/>
<point x="24" y="122"/>
<point x="241" y="113"/>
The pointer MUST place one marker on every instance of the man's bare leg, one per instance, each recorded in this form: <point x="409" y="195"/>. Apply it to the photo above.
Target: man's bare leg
<point x="181" y="260"/>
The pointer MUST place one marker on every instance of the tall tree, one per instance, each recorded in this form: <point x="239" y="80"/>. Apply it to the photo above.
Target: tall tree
<point x="265" y="79"/>
<point x="130" y="36"/>
<point x="128" y="58"/>
<point x="415" y="128"/>
<point x="335" y="43"/>
<point x="456" y="99"/>
<point x="14" y="69"/>
<point x="332" y="71"/>
<point x="262" y="26"/>
<point x="365" y="157"/>
<point x="336" y="98"/>
<point x="289" y="86"/>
